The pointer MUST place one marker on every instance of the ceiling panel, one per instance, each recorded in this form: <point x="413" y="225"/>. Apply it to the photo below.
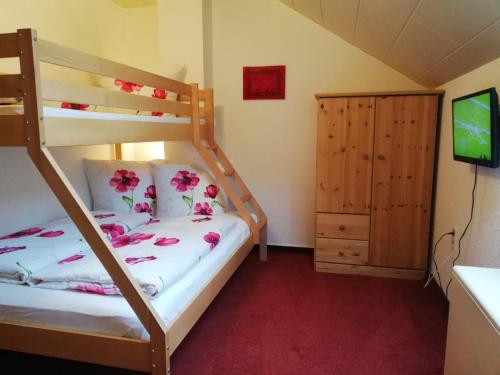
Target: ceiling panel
<point x="460" y="20"/>
<point x="430" y="41"/>
<point x="418" y="48"/>
<point x="469" y="57"/>
<point x="340" y="16"/>
<point x="380" y="22"/>
<point x="310" y="9"/>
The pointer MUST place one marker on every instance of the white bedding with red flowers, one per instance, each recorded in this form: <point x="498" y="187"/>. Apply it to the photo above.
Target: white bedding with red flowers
<point x="27" y="251"/>
<point x="158" y="255"/>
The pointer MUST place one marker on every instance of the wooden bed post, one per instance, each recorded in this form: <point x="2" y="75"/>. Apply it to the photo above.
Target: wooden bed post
<point x="74" y="206"/>
<point x="195" y="117"/>
<point x="209" y="116"/>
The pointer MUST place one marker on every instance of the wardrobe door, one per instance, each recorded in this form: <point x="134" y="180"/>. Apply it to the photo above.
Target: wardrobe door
<point x="344" y="154"/>
<point x="402" y="180"/>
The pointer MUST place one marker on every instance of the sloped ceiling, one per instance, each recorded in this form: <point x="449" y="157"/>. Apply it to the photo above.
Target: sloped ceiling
<point x="430" y="41"/>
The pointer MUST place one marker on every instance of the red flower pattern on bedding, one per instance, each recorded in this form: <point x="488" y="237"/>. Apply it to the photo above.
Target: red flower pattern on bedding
<point x="124" y="180"/>
<point x="159" y="94"/>
<point x="10" y="249"/>
<point x="70" y="259"/>
<point x="23" y="233"/>
<point x="128" y="87"/>
<point x="212" y="238"/>
<point x="211" y="191"/>
<point x="114" y="230"/>
<point x="152" y="221"/>
<point x="201" y="220"/>
<point x="143" y="207"/>
<point x="103" y="216"/>
<point x="132" y="239"/>
<point x="184" y="180"/>
<point x="133" y="261"/>
<point x="51" y="234"/>
<point x="150" y="192"/>
<point x="164" y="241"/>
<point x="203" y="209"/>
<point x="97" y="289"/>
<point x="78" y="107"/>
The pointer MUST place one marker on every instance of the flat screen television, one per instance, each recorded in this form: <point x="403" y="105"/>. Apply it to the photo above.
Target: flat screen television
<point x="475" y="128"/>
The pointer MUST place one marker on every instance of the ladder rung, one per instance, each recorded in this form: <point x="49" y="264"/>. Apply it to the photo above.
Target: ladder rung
<point x="246" y="197"/>
<point x="212" y="147"/>
<point x="229" y="172"/>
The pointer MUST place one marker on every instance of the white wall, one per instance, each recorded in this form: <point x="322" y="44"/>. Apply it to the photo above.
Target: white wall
<point x="272" y="143"/>
<point x="481" y="245"/>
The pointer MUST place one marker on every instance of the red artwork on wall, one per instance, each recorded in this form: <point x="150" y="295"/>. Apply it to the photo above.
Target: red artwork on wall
<point x="264" y="82"/>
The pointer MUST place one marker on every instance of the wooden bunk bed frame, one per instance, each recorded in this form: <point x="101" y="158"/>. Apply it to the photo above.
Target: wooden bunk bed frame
<point x="37" y="134"/>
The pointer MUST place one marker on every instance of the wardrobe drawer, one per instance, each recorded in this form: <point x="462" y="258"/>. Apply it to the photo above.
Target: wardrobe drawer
<point x="341" y="251"/>
<point x="355" y="227"/>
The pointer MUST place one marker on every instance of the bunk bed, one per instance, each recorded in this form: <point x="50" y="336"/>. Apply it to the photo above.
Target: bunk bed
<point x="37" y="130"/>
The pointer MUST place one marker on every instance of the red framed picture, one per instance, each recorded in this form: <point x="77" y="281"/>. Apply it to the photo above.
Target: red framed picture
<point x="264" y="82"/>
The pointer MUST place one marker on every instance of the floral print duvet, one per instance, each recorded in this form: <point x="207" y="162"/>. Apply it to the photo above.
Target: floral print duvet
<point x="158" y="254"/>
<point x="27" y="251"/>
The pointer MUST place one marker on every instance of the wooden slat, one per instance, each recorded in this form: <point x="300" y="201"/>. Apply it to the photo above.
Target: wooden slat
<point x="195" y="113"/>
<point x="186" y="98"/>
<point x="246" y="198"/>
<point x="379" y="93"/>
<point x="185" y="320"/>
<point x="351" y="269"/>
<point x="209" y="116"/>
<point x="68" y="57"/>
<point x="79" y="346"/>
<point x="9" y="45"/>
<point x="12" y="129"/>
<point x="67" y="131"/>
<point x="65" y="92"/>
<point x="118" y="151"/>
<point x="402" y="179"/>
<point x="345" y="154"/>
<point x="229" y="173"/>
<point x="10" y="86"/>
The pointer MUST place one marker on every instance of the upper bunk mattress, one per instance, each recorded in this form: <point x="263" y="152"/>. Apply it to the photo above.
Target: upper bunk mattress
<point x="111" y="315"/>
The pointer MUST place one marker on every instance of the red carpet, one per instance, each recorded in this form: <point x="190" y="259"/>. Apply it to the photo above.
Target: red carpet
<point x="281" y="317"/>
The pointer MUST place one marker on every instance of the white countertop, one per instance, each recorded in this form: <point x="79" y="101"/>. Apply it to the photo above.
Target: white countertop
<point x="483" y="284"/>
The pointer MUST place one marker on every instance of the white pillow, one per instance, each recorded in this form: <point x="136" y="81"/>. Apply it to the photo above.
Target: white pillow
<point x="123" y="186"/>
<point x="185" y="190"/>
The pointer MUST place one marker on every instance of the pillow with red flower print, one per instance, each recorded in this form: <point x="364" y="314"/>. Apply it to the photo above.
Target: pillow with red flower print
<point x="185" y="190"/>
<point x="138" y="89"/>
<point x="122" y="186"/>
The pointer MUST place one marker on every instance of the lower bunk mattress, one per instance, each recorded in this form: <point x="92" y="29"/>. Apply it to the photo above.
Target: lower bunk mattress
<point x="111" y="314"/>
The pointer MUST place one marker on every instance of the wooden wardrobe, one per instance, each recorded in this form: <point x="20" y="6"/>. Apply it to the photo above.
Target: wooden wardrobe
<point x="374" y="182"/>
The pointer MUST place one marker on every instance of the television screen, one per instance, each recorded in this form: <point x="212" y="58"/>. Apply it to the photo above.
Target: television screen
<point x="475" y="128"/>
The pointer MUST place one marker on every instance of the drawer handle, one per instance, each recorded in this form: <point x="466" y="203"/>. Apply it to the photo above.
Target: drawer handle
<point x="342" y="227"/>
<point x="341" y="253"/>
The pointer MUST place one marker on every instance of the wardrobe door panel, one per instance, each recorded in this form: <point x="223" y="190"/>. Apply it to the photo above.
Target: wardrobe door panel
<point x="344" y="154"/>
<point x="402" y="180"/>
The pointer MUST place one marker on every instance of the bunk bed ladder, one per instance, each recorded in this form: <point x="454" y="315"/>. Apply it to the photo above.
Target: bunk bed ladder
<point x="223" y="170"/>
